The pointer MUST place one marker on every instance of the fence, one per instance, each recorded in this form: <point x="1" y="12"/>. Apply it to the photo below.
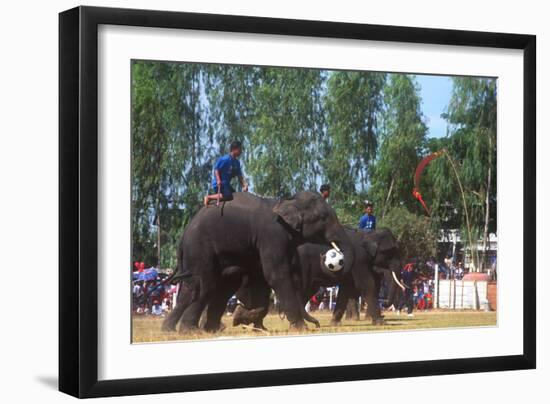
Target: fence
<point x="461" y="294"/>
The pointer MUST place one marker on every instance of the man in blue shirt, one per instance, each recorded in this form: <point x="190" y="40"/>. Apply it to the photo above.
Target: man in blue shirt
<point x="368" y="220"/>
<point x="225" y="169"/>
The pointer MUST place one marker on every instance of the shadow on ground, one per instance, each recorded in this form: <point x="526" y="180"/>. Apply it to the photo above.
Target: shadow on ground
<point x="48" y="381"/>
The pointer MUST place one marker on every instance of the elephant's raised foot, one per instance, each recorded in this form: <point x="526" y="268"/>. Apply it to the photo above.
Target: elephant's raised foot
<point x="243" y="316"/>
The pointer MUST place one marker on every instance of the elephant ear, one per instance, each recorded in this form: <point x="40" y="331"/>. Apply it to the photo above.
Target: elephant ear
<point x="371" y="247"/>
<point x="387" y="242"/>
<point x="289" y="213"/>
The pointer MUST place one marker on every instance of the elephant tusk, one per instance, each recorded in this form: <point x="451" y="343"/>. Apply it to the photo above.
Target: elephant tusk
<point x="397" y="281"/>
<point x="332" y="243"/>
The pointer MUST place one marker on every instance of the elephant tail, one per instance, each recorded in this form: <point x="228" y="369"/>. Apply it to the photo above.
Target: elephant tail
<point x="180" y="275"/>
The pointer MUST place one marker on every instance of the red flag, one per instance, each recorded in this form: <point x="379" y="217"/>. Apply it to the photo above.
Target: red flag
<point x="421" y="166"/>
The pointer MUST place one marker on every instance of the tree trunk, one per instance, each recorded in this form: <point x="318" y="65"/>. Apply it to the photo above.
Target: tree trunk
<point x="158" y="237"/>
<point x="388" y="197"/>
<point x="486" y="225"/>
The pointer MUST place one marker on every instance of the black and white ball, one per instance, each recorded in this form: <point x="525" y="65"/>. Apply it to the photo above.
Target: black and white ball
<point x="334" y="260"/>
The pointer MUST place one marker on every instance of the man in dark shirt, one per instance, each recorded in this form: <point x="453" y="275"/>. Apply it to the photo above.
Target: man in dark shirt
<point x="408" y="275"/>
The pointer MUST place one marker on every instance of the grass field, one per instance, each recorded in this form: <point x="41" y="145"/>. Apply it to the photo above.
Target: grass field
<point x="147" y="329"/>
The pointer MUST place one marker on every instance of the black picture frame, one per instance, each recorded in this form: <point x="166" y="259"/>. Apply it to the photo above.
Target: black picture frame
<point x="78" y="200"/>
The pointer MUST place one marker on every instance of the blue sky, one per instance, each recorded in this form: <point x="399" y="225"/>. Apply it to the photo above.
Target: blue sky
<point x="436" y="93"/>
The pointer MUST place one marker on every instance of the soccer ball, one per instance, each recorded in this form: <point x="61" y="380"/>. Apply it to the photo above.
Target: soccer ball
<point x="334" y="260"/>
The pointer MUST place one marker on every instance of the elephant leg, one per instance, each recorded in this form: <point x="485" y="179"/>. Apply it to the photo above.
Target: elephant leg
<point x="344" y="293"/>
<point x="277" y="274"/>
<point x="352" y="309"/>
<point x="217" y="305"/>
<point x="261" y="300"/>
<point x="184" y="298"/>
<point x="208" y="284"/>
<point x="373" y="309"/>
<point x="254" y="294"/>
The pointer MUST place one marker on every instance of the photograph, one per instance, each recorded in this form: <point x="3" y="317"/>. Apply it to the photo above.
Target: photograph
<point x="271" y="201"/>
<point x="274" y="202"/>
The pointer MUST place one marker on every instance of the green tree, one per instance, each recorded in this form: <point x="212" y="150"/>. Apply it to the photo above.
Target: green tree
<point x="229" y="93"/>
<point x="415" y="233"/>
<point x="403" y="142"/>
<point x="353" y="105"/>
<point x="282" y="154"/>
<point x="169" y="168"/>
<point x="472" y="117"/>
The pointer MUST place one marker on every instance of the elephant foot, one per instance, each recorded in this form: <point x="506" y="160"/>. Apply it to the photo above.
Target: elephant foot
<point x="299" y="325"/>
<point x="315" y="322"/>
<point x="260" y="326"/>
<point x="213" y="328"/>
<point x="168" y="326"/>
<point x="241" y="316"/>
<point x="378" y="321"/>
<point x="244" y="316"/>
<point x="188" y="328"/>
<point x="335" y="323"/>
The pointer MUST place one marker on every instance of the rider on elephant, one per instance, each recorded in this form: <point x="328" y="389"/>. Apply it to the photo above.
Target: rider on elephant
<point x="368" y="220"/>
<point x="225" y="169"/>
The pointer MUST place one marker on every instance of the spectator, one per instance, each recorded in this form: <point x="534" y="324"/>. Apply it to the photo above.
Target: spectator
<point x="166" y="305"/>
<point x="325" y="191"/>
<point x="156" y="309"/>
<point x="459" y="271"/>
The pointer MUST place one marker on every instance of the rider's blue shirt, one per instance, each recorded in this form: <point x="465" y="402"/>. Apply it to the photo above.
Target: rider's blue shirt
<point x="367" y="222"/>
<point x="228" y="167"/>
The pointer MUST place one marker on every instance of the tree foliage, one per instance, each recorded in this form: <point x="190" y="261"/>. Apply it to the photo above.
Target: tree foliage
<point x="354" y="102"/>
<point x="404" y="139"/>
<point x="416" y="234"/>
<point x="361" y="132"/>
<point x="472" y="144"/>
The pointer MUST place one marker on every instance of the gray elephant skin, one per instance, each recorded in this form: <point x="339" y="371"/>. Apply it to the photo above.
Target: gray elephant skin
<point x="254" y="238"/>
<point x="377" y="256"/>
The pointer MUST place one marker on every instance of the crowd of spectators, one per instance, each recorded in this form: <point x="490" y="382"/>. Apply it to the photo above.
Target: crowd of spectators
<point x="153" y="297"/>
<point x="150" y="296"/>
<point x="322" y="299"/>
<point x="452" y="269"/>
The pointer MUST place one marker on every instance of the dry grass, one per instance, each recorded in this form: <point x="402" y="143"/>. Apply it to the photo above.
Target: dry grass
<point x="147" y="329"/>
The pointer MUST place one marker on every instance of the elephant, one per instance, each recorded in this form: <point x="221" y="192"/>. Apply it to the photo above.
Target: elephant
<point x="385" y="258"/>
<point x="376" y="256"/>
<point x="254" y="237"/>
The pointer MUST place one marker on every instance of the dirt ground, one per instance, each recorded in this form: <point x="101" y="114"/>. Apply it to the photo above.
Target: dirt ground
<point x="148" y="328"/>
